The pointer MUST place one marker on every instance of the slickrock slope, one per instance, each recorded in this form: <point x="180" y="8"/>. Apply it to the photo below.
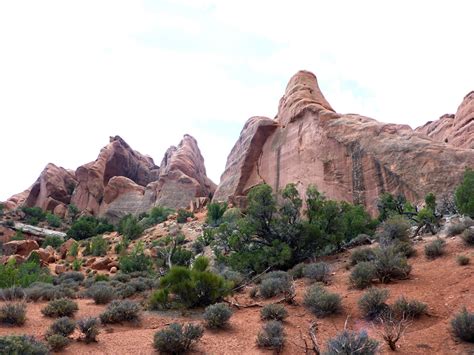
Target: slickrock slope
<point x="456" y="130"/>
<point x="348" y="157"/>
<point x="121" y="181"/>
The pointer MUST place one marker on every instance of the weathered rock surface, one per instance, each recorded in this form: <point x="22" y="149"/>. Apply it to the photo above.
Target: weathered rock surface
<point x="20" y="247"/>
<point x="456" y="130"/>
<point x="17" y="200"/>
<point x="122" y="181"/>
<point x="348" y="157"/>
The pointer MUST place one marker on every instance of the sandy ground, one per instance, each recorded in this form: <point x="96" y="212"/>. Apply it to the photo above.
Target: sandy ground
<point x="441" y="283"/>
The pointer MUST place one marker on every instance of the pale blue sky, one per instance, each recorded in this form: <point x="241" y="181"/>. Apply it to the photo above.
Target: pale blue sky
<point x="73" y="73"/>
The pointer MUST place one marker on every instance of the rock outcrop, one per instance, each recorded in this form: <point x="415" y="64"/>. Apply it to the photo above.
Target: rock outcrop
<point x="122" y="181"/>
<point x="348" y="157"/>
<point x="457" y="129"/>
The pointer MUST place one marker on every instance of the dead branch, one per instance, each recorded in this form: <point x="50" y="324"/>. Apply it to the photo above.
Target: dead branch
<point x="392" y="330"/>
<point x="251" y="280"/>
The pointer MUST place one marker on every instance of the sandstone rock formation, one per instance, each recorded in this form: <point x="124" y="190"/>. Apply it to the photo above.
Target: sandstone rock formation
<point x="456" y="130"/>
<point x="121" y="181"/>
<point x="348" y="157"/>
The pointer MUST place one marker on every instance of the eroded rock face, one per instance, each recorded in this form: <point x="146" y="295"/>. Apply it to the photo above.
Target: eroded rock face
<point x="53" y="187"/>
<point x="456" y="130"/>
<point x="348" y="157"/>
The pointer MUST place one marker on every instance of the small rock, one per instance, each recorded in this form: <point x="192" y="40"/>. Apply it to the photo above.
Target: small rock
<point x="113" y="270"/>
<point x="59" y="269"/>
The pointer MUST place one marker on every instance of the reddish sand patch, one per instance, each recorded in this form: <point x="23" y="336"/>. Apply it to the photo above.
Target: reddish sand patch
<point x="441" y="283"/>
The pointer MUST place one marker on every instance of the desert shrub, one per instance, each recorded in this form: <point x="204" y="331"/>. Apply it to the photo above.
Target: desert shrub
<point x="253" y="292"/>
<point x="43" y="291"/>
<point x="12" y="293"/>
<point x="74" y="249"/>
<point x="177" y="339"/>
<point x="18" y="236"/>
<point x="232" y="215"/>
<point x="296" y="272"/>
<point x="273" y="311"/>
<point x="468" y="236"/>
<point x="317" y="272"/>
<point x="404" y="248"/>
<point x="271" y="335"/>
<point x="136" y="260"/>
<point x="52" y="240"/>
<point x="215" y="211"/>
<point x="89" y="327"/>
<point x="156" y="215"/>
<point x="372" y="303"/>
<point x="456" y="228"/>
<point x="435" y="248"/>
<point x="129" y="227"/>
<point x="57" y="342"/>
<point x="159" y="299"/>
<point x="321" y="302"/>
<point x="13" y="313"/>
<point x="121" y="311"/>
<point x="363" y="254"/>
<point x="88" y="226"/>
<point x="275" y="283"/>
<point x="125" y="291"/>
<point x="97" y="246"/>
<point x="462" y="260"/>
<point x="233" y="276"/>
<point x="33" y="215"/>
<point x="64" y="326"/>
<point x="395" y="228"/>
<point x="69" y="278"/>
<point x="22" y="345"/>
<point x="217" y="315"/>
<point x="77" y="264"/>
<point x="53" y="220"/>
<point x="463" y="325"/>
<point x="362" y="275"/>
<point x="464" y="194"/>
<point x="183" y="215"/>
<point x="196" y="286"/>
<point x="61" y="307"/>
<point x="352" y="343"/>
<point x="409" y="308"/>
<point x="390" y="265"/>
<point x="23" y="274"/>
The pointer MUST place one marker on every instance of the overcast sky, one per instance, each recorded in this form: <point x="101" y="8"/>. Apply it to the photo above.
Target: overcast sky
<point x="73" y="73"/>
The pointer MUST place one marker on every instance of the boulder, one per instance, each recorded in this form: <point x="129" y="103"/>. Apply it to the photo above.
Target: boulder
<point x="101" y="263"/>
<point x="65" y="248"/>
<point x="59" y="269"/>
<point x="20" y="247"/>
<point x="347" y="156"/>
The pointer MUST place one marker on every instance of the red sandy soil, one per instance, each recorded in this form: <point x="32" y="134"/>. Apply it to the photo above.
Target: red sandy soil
<point x="441" y="283"/>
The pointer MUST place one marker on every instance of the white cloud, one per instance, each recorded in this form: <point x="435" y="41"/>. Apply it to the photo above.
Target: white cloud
<point x="73" y="73"/>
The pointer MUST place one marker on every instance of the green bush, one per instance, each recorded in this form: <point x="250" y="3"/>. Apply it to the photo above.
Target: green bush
<point x="129" y="227"/>
<point x="321" y="302"/>
<point x="215" y="212"/>
<point x="121" y="311"/>
<point x="463" y="260"/>
<point x="101" y="294"/>
<point x="435" y="248"/>
<point x="468" y="236"/>
<point x="362" y="275"/>
<point x="97" y="246"/>
<point x="317" y="272"/>
<point x="404" y="247"/>
<point x="372" y="303"/>
<point x="271" y="336"/>
<point x="43" y="291"/>
<point x="363" y="254"/>
<point x="177" y="339"/>
<point x="23" y="274"/>
<point x="352" y="343"/>
<point x="13" y="313"/>
<point x="193" y="288"/>
<point x="156" y="215"/>
<point x="34" y="215"/>
<point x="464" y="194"/>
<point x="22" y="345"/>
<point x="61" y="307"/>
<point x="69" y="278"/>
<point x="53" y="220"/>
<point x="88" y="226"/>
<point x="273" y="311"/>
<point x="183" y="215"/>
<point x="231" y="215"/>
<point x="159" y="300"/>
<point x="395" y="228"/>
<point x="54" y="241"/>
<point x="57" y="342"/>
<point x="390" y="265"/>
<point x="296" y="272"/>
<point x="217" y="315"/>
<point x="63" y="326"/>
<point x="89" y="327"/>
<point x="463" y="325"/>
<point x="409" y="308"/>
<point x="274" y="283"/>
<point x="136" y="260"/>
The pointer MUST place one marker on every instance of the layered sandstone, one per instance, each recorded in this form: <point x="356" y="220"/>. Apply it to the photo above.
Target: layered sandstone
<point x="457" y="129"/>
<point x="348" y="157"/>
